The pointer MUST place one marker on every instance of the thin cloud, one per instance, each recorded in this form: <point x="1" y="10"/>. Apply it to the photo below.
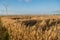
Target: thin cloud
<point x="21" y="0"/>
<point x="25" y="0"/>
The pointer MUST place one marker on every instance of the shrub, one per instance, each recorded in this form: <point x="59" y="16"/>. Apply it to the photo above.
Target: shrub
<point x="3" y="32"/>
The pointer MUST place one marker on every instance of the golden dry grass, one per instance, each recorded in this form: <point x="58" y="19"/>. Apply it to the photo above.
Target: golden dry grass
<point x="32" y="27"/>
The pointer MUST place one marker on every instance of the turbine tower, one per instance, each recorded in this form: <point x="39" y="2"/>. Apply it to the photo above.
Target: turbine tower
<point x="6" y="8"/>
<point x="5" y="5"/>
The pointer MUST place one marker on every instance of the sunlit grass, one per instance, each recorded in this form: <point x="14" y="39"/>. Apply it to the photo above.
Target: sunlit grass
<point x="37" y="31"/>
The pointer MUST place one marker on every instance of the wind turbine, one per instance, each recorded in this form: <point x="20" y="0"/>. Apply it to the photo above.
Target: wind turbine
<point x="5" y="5"/>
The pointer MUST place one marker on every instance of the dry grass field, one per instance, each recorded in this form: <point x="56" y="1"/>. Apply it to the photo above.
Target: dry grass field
<point x="43" y="27"/>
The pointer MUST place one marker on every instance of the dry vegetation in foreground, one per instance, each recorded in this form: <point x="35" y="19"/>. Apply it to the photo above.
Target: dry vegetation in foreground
<point x="30" y="28"/>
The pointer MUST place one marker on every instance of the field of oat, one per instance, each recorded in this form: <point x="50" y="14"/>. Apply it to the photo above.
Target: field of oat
<point x="43" y="27"/>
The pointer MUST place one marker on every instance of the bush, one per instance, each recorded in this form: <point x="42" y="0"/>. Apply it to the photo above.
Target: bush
<point x="3" y="32"/>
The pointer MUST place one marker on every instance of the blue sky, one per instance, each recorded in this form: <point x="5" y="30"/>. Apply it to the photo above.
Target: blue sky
<point x="30" y="7"/>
